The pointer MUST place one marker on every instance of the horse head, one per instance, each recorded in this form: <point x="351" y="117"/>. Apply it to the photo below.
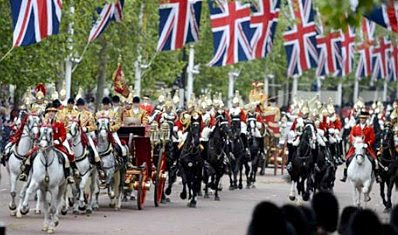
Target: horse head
<point x="46" y="136"/>
<point x="103" y="125"/>
<point x="32" y="125"/>
<point x="360" y="147"/>
<point x="73" y="128"/>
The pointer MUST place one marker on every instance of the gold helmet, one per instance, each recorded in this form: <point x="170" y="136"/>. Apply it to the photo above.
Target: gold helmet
<point x="331" y="109"/>
<point x="305" y="109"/>
<point x="185" y="118"/>
<point x="176" y="98"/>
<point x="394" y="114"/>
<point x="236" y="98"/>
<point x="324" y="110"/>
<point x="39" y="95"/>
<point x="168" y="104"/>
<point x="62" y="94"/>
<point x="359" y="105"/>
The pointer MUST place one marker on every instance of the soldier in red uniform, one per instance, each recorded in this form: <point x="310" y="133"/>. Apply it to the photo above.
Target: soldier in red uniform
<point x="365" y="131"/>
<point x="59" y="136"/>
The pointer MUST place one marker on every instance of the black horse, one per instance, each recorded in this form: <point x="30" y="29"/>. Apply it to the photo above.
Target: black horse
<point x="255" y="145"/>
<point x="239" y="157"/>
<point x="191" y="163"/>
<point x="388" y="165"/>
<point x="324" y="170"/>
<point x="216" y="163"/>
<point x="303" y="164"/>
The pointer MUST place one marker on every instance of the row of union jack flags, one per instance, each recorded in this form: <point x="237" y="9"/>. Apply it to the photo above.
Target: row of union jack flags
<point x="241" y="32"/>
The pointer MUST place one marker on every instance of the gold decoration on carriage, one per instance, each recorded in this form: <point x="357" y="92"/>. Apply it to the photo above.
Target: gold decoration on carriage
<point x="164" y="134"/>
<point x="257" y="95"/>
<point x="154" y="132"/>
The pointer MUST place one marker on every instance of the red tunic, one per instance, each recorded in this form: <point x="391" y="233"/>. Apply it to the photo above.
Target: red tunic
<point x="369" y="138"/>
<point x="59" y="133"/>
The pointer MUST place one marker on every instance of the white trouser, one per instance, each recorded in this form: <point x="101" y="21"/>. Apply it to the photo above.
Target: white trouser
<point x="118" y="142"/>
<point x="67" y="146"/>
<point x="91" y="143"/>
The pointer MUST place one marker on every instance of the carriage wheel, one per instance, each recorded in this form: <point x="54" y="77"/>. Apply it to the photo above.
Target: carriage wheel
<point x="160" y="181"/>
<point x="141" y="191"/>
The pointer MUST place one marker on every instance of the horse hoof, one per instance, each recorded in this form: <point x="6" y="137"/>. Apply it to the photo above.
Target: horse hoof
<point x="168" y="191"/>
<point x="217" y="198"/>
<point x="168" y="200"/>
<point x="112" y="205"/>
<point x="192" y="204"/>
<point x="240" y="186"/>
<point x="117" y="208"/>
<point x="89" y="211"/>
<point x="50" y="231"/>
<point x="387" y="210"/>
<point x="64" y="212"/>
<point x="12" y="207"/>
<point x="231" y="188"/>
<point x="248" y="186"/>
<point x="292" y="198"/>
<point x="24" y="211"/>
<point x="183" y="195"/>
<point x="200" y="194"/>
<point x="82" y="208"/>
<point x="56" y="223"/>
<point x="206" y="196"/>
<point x="306" y="197"/>
<point x="75" y="212"/>
<point x="37" y="211"/>
<point x="124" y="199"/>
<point x="13" y="213"/>
<point x="44" y="228"/>
<point x="132" y="198"/>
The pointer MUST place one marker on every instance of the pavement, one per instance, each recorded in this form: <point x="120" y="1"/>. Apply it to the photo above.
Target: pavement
<point x="229" y="216"/>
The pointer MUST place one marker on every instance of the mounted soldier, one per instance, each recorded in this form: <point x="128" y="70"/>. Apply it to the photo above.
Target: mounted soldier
<point x="237" y="114"/>
<point x="59" y="137"/>
<point x="362" y="129"/>
<point x="133" y="114"/>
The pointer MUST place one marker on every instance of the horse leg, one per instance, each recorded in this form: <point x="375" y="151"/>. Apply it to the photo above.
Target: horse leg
<point x="217" y="181"/>
<point x="45" y="210"/>
<point x="25" y="204"/>
<point x="183" y="194"/>
<point x="389" y="192"/>
<point x="117" y="199"/>
<point x="37" y="209"/>
<point x="53" y="210"/>
<point x="240" y="175"/>
<point x="13" y="181"/>
<point x="292" y="195"/>
<point x="22" y="194"/>
<point x="249" y="180"/>
<point x="382" y="193"/>
<point x="82" y="186"/>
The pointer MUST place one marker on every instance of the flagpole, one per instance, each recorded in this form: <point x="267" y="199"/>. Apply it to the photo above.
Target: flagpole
<point x="232" y="75"/>
<point x="356" y="90"/>
<point x="190" y="71"/>
<point x="68" y="61"/>
<point x="138" y="62"/>
<point x="339" y="98"/>
<point x="6" y="54"/>
<point x="385" y="89"/>
<point x="295" y="85"/>
<point x="318" y="85"/>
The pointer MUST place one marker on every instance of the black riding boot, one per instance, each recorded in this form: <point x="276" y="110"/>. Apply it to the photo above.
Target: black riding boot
<point x="344" y="179"/>
<point x="74" y="169"/>
<point x="25" y="171"/>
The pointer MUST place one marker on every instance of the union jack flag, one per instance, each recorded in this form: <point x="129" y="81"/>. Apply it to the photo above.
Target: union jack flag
<point x="381" y="55"/>
<point x="365" y="49"/>
<point x="110" y="12"/>
<point x="393" y="70"/>
<point x="347" y="51"/>
<point x="230" y="23"/>
<point x="385" y="16"/>
<point x="330" y="59"/>
<point x="300" y="40"/>
<point x="179" y="22"/>
<point x="34" y="20"/>
<point x="264" y="20"/>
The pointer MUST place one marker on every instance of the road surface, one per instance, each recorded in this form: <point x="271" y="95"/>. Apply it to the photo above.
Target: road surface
<point x="229" y="216"/>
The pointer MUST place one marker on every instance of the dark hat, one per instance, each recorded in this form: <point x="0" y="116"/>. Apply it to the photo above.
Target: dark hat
<point x="71" y="101"/>
<point x="115" y="99"/>
<point x="51" y="108"/>
<point x="106" y="100"/>
<point x="364" y="114"/>
<point x="136" y="99"/>
<point x="80" y="102"/>
<point x="56" y="103"/>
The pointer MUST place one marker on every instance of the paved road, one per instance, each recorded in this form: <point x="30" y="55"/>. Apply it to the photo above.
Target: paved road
<point x="228" y="216"/>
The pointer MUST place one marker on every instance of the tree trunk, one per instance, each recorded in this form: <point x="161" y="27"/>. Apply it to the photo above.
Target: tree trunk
<point x="102" y="73"/>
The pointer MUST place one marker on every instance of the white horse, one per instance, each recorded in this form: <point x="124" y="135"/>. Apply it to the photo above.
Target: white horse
<point x="108" y="162"/>
<point x="18" y="153"/>
<point x="360" y="172"/>
<point x="88" y="173"/>
<point x="47" y="176"/>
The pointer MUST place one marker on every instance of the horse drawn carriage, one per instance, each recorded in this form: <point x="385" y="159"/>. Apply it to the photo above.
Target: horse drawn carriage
<point x="147" y="165"/>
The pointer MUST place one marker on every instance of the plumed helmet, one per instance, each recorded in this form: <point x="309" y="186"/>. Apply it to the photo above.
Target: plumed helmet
<point x="185" y="118"/>
<point x="331" y="109"/>
<point x="305" y="109"/>
<point x="39" y="95"/>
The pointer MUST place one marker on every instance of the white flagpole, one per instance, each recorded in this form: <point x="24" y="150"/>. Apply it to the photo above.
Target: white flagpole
<point x="339" y="98"/>
<point x="385" y="89"/>
<point x="295" y="86"/>
<point x="356" y="90"/>
<point x="190" y="71"/>
<point x="68" y="61"/>
<point x="138" y="62"/>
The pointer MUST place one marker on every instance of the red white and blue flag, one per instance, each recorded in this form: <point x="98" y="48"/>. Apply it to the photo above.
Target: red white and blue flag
<point x="264" y="20"/>
<point x="230" y="23"/>
<point x="110" y="12"/>
<point x="393" y="63"/>
<point x="347" y="51"/>
<point x="381" y="55"/>
<point x="365" y="49"/>
<point x="330" y="59"/>
<point x="34" y="20"/>
<point x="300" y="40"/>
<point x="385" y="15"/>
<point x="179" y="22"/>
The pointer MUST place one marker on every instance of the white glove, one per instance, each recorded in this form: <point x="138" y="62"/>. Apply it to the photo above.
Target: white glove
<point x="56" y="142"/>
<point x="365" y="146"/>
<point x="331" y="131"/>
<point x="84" y="129"/>
<point x="175" y="128"/>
